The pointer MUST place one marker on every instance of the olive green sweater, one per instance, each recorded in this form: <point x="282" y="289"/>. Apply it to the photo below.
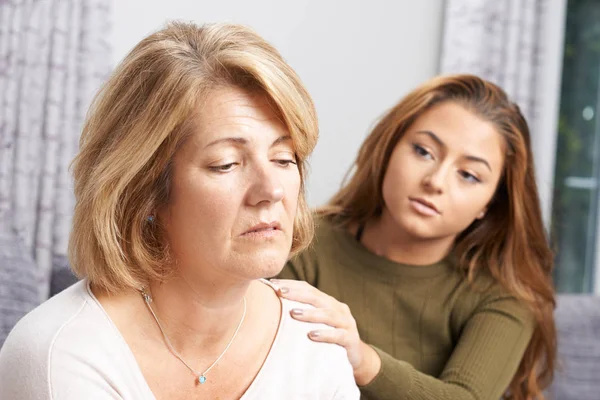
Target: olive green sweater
<point x="438" y="336"/>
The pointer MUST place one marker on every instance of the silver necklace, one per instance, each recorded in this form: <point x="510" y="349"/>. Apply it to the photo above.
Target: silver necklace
<point x="200" y="377"/>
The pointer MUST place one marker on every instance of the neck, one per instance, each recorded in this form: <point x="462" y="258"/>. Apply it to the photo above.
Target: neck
<point x="386" y="239"/>
<point x="198" y="315"/>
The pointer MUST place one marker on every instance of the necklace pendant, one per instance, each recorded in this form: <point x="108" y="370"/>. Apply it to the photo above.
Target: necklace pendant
<point x="201" y="379"/>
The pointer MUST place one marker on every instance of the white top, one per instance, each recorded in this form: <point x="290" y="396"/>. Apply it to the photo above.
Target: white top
<point x="69" y="349"/>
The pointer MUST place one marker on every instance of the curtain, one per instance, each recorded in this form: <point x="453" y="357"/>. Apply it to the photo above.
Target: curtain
<point x="54" y="55"/>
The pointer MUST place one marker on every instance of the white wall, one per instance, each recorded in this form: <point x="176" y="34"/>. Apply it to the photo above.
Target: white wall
<point x="357" y="58"/>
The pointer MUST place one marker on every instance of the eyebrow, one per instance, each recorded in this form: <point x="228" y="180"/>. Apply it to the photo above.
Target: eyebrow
<point x="239" y="141"/>
<point x="441" y="143"/>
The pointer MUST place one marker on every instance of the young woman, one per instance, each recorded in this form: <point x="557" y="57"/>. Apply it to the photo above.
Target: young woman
<point x="431" y="264"/>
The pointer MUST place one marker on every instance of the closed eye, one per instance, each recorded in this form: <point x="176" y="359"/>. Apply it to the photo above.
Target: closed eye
<point x="225" y="167"/>
<point x="285" y="163"/>
<point x="421" y="152"/>
<point x="469" y="177"/>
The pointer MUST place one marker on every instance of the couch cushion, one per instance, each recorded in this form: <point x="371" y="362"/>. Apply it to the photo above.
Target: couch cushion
<point x="22" y="285"/>
<point x="578" y="323"/>
<point x="62" y="275"/>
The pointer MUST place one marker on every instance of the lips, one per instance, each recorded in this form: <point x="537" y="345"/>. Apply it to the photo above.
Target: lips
<point x="263" y="227"/>
<point x="425" y="203"/>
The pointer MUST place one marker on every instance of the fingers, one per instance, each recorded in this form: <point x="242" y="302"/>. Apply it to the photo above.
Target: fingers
<point x="302" y="292"/>
<point x="325" y="316"/>
<point x="340" y="337"/>
<point x="327" y="311"/>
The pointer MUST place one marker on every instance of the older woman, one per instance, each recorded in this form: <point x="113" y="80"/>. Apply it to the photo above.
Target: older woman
<point x="189" y="188"/>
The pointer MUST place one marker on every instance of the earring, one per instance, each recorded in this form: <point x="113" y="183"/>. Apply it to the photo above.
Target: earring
<point x="481" y="215"/>
<point x="150" y="218"/>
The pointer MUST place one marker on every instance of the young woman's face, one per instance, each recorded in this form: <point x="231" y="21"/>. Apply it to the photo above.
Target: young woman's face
<point x="443" y="173"/>
<point x="234" y="191"/>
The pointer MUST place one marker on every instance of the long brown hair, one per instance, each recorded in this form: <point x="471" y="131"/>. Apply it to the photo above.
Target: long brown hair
<point x="510" y="242"/>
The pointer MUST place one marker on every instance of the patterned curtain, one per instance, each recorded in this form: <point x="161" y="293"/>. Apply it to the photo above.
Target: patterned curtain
<point x="513" y="43"/>
<point x="54" y="55"/>
<point x="497" y="40"/>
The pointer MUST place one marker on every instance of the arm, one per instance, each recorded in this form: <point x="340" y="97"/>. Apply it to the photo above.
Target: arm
<point x="481" y="366"/>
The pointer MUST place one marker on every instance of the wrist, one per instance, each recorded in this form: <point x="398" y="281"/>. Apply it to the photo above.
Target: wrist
<point x="370" y="366"/>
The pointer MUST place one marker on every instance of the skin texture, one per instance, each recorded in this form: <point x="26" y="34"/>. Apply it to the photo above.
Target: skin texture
<point x="441" y="177"/>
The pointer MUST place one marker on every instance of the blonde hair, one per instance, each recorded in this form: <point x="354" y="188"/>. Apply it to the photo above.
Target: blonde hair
<point x="137" y="122"/>
<point x="510" y="242"/>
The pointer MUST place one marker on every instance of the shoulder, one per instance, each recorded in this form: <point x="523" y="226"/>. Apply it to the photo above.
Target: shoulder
<point x="37" y="331"/>
<point x="327" y="362"/>
<point x="328" y="240"/>
<point x="484" y="289"/>
<point x="295" y="335"/>
<point x="322" y="253"/>
<point x="57" y="336"/>
<point x="301" y="368"/>
<point x="326" y="228"/>
<point x="486" y="295"/>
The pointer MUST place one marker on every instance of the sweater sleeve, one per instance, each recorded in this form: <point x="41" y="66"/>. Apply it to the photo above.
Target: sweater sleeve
<point x="481" y="366"/>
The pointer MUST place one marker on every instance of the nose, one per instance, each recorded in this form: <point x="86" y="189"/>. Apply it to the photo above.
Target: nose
<point x="265" y="187"/>
<point x="434" y="179"/>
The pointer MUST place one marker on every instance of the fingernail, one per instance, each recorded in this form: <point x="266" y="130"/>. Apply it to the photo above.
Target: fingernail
<point x="297" y="311"/>
<point x="314" y="334"/>
<point x="284" y="290"/>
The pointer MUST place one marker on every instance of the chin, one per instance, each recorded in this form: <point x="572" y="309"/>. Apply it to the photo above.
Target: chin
<point x="419" y="230"/>
<point x="265" y="263"/>
<point x="274" y="270"/>
<point x="264" y="270"/>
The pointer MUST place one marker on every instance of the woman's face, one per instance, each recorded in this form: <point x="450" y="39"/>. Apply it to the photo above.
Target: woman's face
<point x="234" y="191"/>
<point x="443" y="173"/>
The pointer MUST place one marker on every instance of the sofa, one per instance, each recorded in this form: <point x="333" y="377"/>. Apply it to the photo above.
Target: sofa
<point x="577" y="376"/>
